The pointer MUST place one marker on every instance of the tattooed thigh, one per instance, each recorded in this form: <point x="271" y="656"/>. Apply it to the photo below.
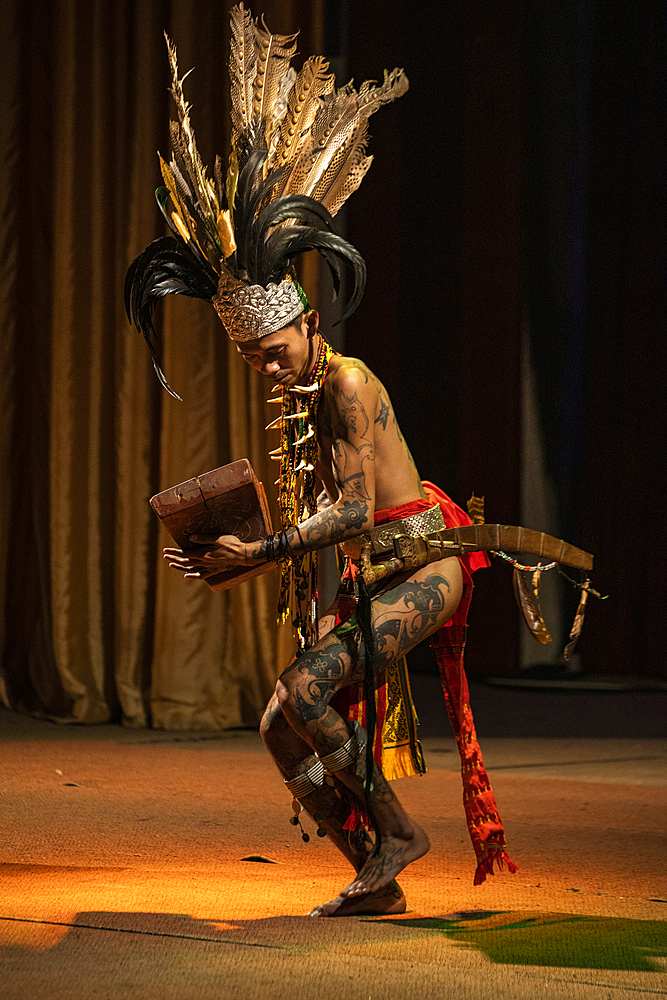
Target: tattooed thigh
<point x="401" y="617"/>
<point x="415" y="609"/>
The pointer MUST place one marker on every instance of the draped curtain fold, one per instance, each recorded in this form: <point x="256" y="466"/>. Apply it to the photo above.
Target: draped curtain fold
<point x="94" y="625"/>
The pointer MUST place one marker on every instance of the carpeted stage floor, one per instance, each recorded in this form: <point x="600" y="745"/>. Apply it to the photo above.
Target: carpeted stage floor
<point x="162" y="866"/>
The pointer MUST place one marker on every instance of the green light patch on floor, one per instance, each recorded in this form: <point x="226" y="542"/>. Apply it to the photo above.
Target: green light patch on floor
<point x="554" y="939"/>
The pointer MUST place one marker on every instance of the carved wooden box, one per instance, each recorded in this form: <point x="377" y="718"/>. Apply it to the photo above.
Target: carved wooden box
<point x="227" y="501"/>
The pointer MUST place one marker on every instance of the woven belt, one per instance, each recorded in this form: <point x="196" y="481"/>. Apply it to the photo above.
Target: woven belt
<point x="423" y="523"/>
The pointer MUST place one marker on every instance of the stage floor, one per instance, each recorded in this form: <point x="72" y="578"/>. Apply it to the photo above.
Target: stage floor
<point x="123" y="874"/>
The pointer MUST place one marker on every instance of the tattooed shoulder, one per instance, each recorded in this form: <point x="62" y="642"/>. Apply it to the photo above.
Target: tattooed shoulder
<point x="355" y="365"/>
<point x="351" y="375"/>
<point x="383" y="415"/>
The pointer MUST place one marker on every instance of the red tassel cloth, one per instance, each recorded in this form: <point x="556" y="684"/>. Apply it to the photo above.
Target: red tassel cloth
<point x="484" y="824"/>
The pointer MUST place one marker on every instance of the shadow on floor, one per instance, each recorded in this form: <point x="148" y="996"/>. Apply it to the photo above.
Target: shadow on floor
<point x="562" y="940"/>
<point x="505" y="937"/>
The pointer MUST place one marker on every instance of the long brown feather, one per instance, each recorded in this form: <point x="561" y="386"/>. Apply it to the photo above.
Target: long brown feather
<point x="182" y="157"/>
<point x="274" y="54"/>
<point x="311" y="83"/>
<point x="273" y="137"/>
<point x="578" y="623"/>
<point x="372" y="97"/>
<point x="345" y="173"/>
<point x="530" y="610"/>
<point x="322" y="146"/>
<point x="186" y="155"/>
<point x="242" y="68"/>
<point x="339" y="137"/>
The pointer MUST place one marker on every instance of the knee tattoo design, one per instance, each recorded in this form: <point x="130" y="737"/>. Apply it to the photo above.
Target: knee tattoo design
<point x="318" y="673"/>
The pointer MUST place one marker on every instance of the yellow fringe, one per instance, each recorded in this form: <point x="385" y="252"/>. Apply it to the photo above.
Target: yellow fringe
<point x="397" y="762"/>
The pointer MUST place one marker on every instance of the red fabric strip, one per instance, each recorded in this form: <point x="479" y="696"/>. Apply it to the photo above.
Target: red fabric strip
<point x="405" y="510"/>
<point x="484" y="823"/>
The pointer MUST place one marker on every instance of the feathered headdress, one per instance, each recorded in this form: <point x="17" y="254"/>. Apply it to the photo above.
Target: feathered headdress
<point x="298" y="151"/>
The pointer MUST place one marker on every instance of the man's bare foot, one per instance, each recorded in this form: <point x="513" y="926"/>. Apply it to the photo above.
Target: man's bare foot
<point x="394" y="855"/>
<point x="387" y="900"/>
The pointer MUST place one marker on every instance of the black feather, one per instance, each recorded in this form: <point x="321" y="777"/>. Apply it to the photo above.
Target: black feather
<point x="293" y="206"/>
<point x="334" y="270"/>
<point x="284" y="245"/>
<point x="299" y="207"/>
<point x="249" y="183"/>
<point x="247" y="222"/>
<point x="166" y="267"/>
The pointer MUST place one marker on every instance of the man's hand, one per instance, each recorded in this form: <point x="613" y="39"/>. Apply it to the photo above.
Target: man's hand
<point x="209" y="555"/>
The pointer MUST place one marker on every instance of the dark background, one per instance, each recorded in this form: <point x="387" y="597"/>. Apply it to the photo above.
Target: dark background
<point x="520" y="186"/>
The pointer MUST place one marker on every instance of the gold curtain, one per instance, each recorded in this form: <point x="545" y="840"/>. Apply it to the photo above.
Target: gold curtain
<point x="94" y="626"/>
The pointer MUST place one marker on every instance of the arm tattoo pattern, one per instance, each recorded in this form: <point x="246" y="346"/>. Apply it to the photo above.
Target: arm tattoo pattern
<point x="348" y="463"/>
<point x="324" y="528"/>
<point x="353" y="414"/>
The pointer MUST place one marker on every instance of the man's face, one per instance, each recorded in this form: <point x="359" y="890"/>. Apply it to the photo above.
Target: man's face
<point x="284" y="356"/>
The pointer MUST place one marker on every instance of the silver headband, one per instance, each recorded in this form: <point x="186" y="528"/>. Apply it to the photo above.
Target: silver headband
<point x="251" y="311"/>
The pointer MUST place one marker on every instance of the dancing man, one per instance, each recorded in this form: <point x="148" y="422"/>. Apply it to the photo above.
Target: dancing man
<point x="341" y="721"/>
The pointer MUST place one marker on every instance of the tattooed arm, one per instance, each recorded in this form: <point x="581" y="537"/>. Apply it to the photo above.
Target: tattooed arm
<point x="353" y="403"/>
<point x="350" y="406"/>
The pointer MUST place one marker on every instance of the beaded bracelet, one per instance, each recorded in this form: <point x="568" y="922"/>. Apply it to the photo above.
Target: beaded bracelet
<point x="278" y="546"/>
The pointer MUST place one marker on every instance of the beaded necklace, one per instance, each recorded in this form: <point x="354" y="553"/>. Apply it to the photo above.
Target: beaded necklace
<point x="297" y="496"/>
